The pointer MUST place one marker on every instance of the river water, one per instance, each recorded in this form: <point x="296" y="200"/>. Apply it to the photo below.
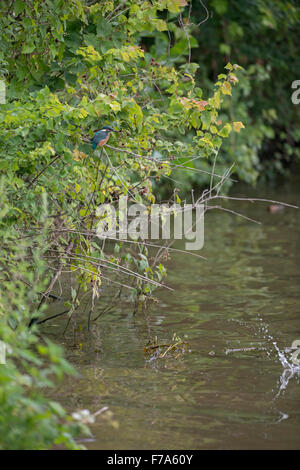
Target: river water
<point x="236" y="386"/>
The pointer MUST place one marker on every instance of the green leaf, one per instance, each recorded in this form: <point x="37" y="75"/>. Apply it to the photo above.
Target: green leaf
<point x="104" y="28"/>
<point x="225" y="131"/>
<point x="28" y="48"/>
<point x="19" y="6"/>
<point x="206" y="119"/>
<point x="161" y="25"/>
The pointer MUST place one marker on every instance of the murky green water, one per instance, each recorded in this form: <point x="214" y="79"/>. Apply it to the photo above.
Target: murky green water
<point x="236" y="310"/>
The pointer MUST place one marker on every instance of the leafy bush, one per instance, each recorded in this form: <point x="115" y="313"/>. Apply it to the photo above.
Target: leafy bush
<point x="71" y="67"/>
<point x="28" y="420"/>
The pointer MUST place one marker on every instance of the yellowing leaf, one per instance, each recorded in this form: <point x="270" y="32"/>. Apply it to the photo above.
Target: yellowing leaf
<point x="228" y="66"/>
<point x="237" y="126"/>
<point x="161" y="25"/>
<point x="226" y="88"/>
<point x="190" y="102"/>
<point x="79" y="155"/>
<point x="215" y="100"/>
<point x="206" y="140"/>
<point x="115" y="106"/>
<point x="232" y="78"/>
<point x="83" y="113"/>
<point x="200" y="104"/>
<point x="125" y="56"/>
<point x="174" y="5"/>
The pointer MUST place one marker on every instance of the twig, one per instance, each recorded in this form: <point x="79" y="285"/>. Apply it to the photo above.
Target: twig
<point x="53" y="281"/>
<point x="207" y="15"/>
<point x="43" y="170"/>
<point x="255" y="199"/>
<point x="233" y="212"/>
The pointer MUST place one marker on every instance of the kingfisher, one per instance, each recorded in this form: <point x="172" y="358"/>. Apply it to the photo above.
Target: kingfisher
<point x="102" y="136"/>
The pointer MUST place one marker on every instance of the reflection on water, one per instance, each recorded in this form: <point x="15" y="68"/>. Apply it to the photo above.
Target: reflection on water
<point x="236" y="386"/>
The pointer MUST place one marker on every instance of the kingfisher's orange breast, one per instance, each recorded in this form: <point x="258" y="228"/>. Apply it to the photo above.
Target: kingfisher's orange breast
<point x="103" y="141"/>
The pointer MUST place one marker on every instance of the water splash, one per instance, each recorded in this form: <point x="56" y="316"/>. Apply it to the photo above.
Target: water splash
<point x="290" y="370"/>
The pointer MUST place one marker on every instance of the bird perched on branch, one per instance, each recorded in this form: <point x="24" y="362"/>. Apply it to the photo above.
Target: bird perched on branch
<point x="102" y="136"/>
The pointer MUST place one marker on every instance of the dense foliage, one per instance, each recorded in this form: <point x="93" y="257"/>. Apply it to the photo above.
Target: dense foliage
<point x="71" y="67"/>
<point x="28" y="364"/>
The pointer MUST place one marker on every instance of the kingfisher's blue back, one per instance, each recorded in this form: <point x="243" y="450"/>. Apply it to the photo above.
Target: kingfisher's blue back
<point x="102" y="136"/>
<point x="98" y="137"/>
